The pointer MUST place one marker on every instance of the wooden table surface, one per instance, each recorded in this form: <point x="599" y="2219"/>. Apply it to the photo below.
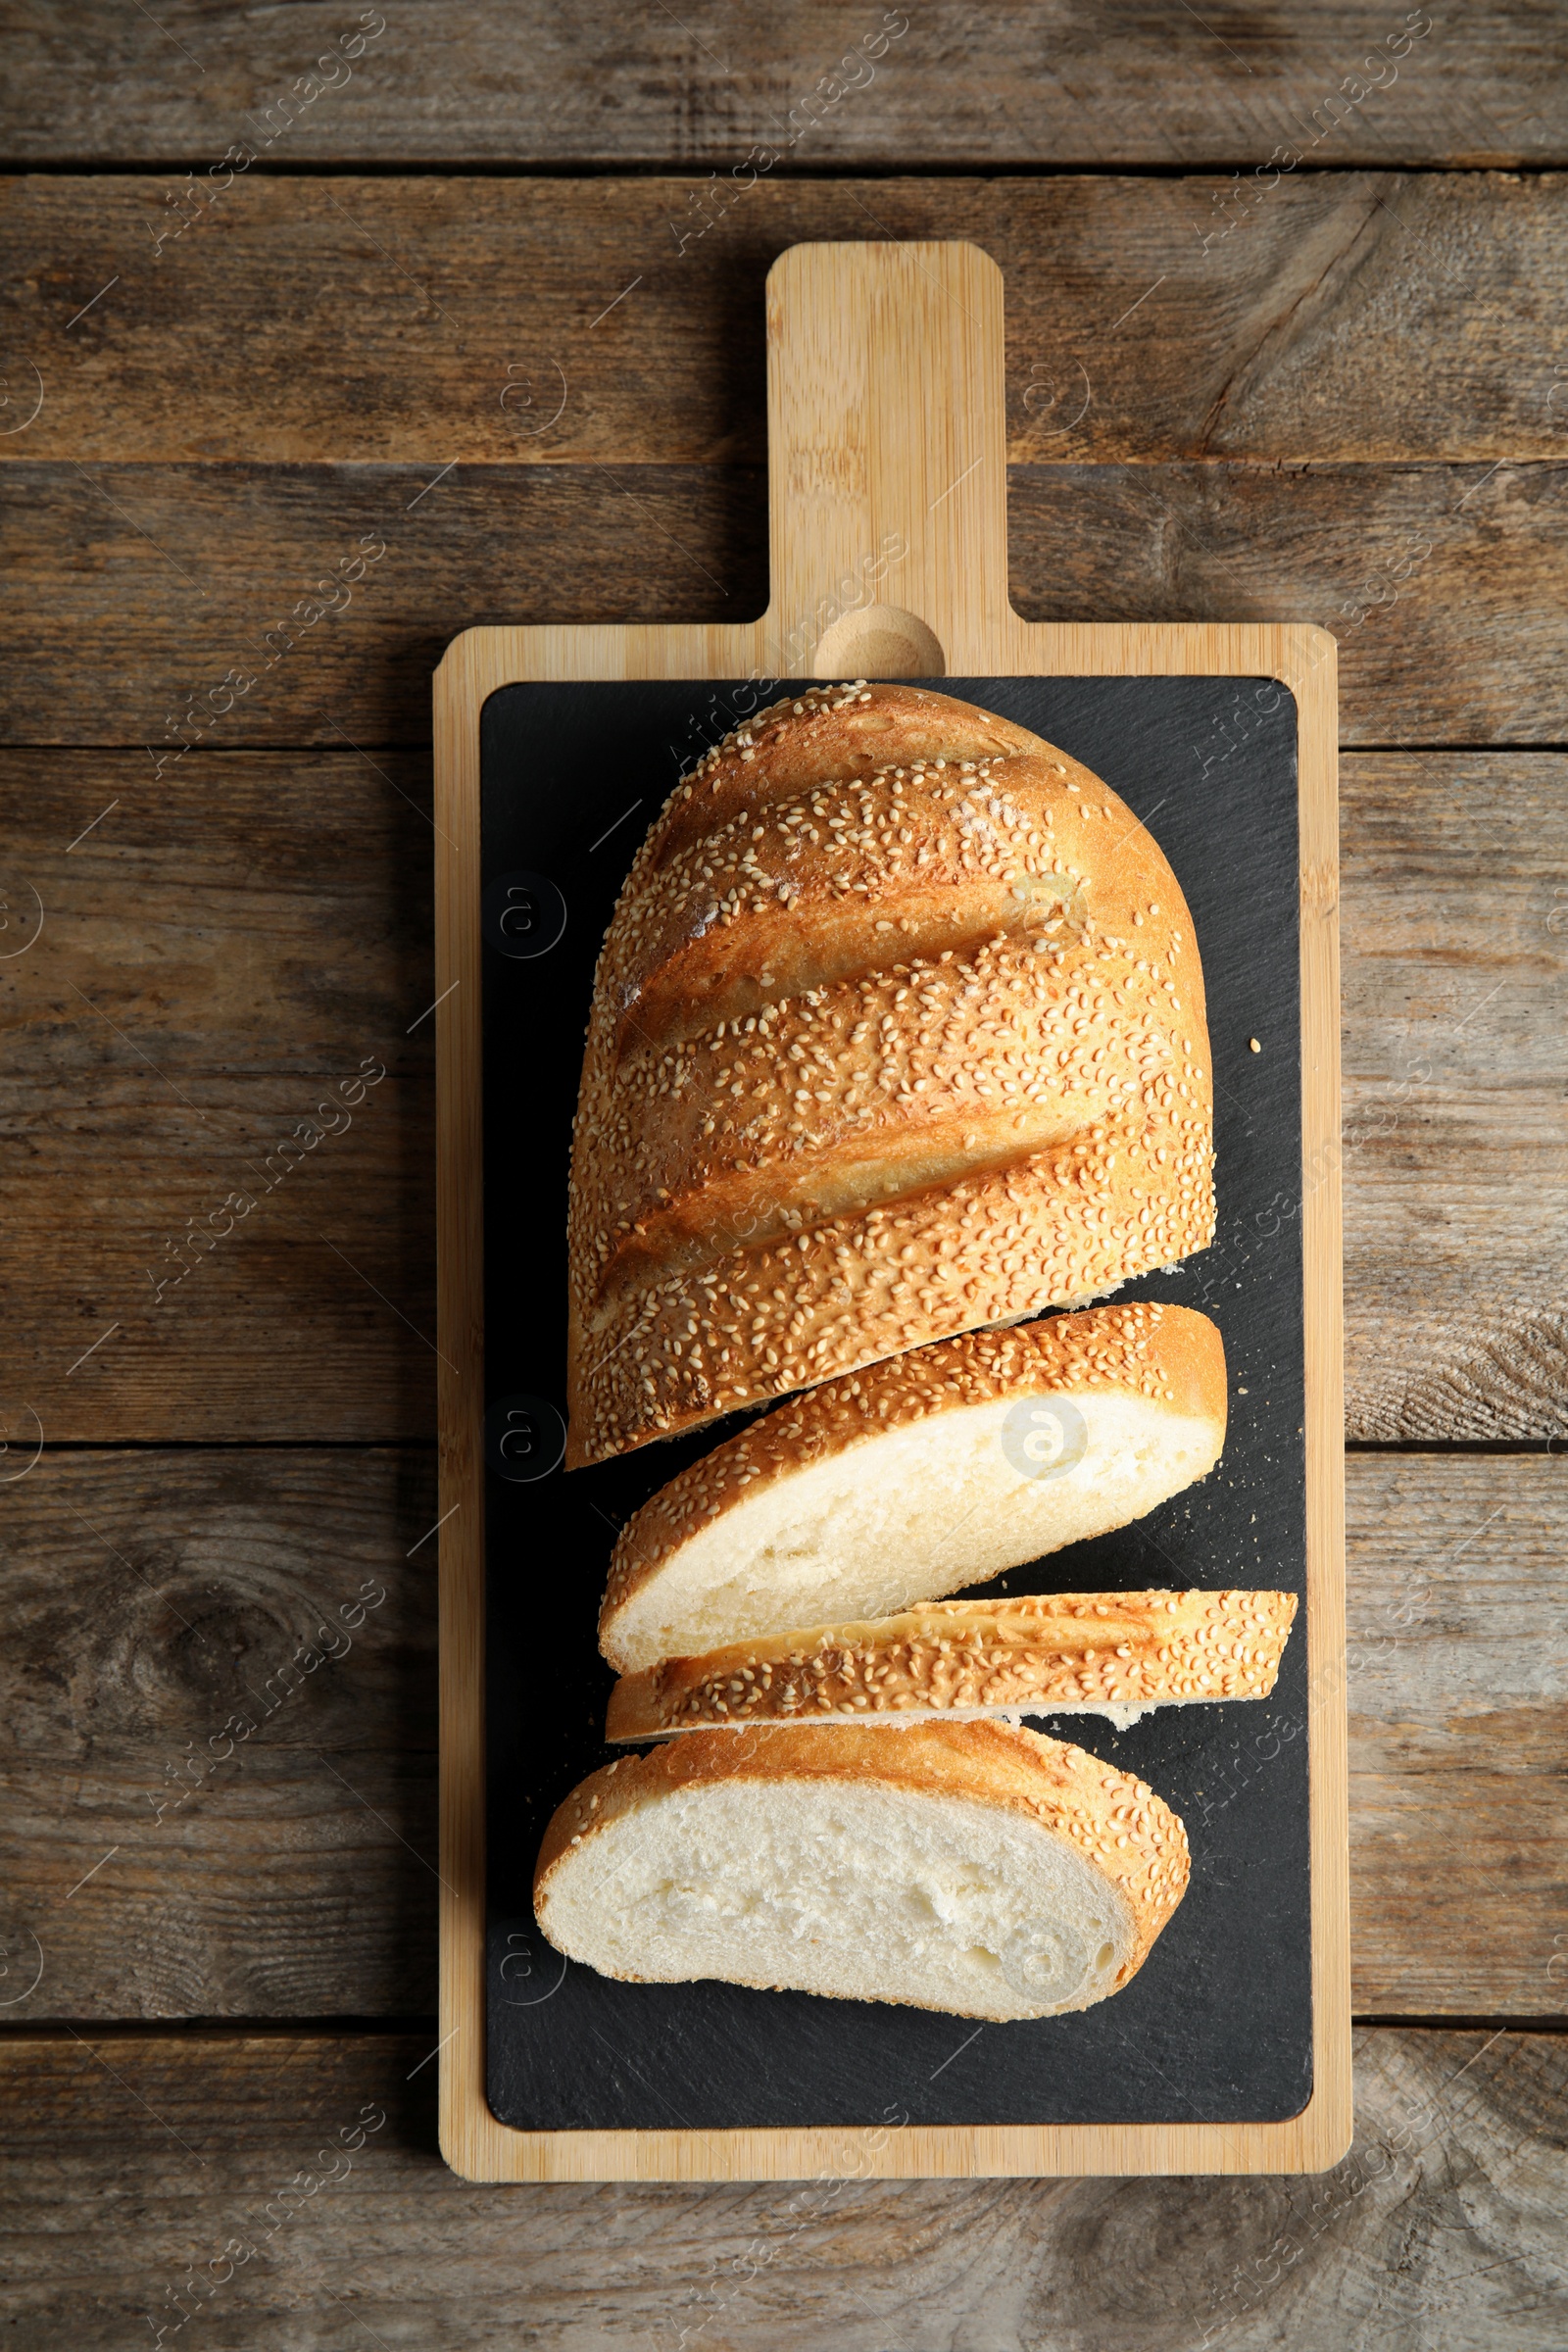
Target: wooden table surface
<point x="1286" y="299"/>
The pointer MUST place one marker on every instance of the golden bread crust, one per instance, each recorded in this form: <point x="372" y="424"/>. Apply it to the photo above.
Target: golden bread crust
<point x="881" y="1049"/>
<point x="1030" y="1654"/>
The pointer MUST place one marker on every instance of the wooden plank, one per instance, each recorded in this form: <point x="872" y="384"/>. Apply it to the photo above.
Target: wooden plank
<point x="149" y="1593"/>
<point x="828" y="87"/>
<point x="1442" y="584"/>
<point x="1459" y="1731"/>
<point x="142" y="2176"/>
<point x="1334" y="318"/>
<point x="199" y="916"/>
<point x="180" y="576"/>
<point x="1448" y="586"/>
<point x="1455" y="875"/>
<point x="230" y="954"/>
<point x="163" y="1859"/>
<point x="886" y="429"/>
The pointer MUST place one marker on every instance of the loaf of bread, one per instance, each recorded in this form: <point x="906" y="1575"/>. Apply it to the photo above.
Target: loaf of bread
<point x="917" y="1475"/>
<point x="897" y="1031"/>
<point x="1117" y="1654"/>
<point x="970" y="1867"/>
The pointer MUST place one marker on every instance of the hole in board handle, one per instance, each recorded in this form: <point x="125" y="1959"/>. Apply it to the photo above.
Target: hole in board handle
<point x="881" y="641"/>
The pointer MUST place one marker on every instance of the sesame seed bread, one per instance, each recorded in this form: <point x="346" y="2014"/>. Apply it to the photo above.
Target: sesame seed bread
<point x="1117" y="1654"/>
<point x="917" y="1475"/>
<point x="970" y="1867"/>
<point x="897" y="1031"/>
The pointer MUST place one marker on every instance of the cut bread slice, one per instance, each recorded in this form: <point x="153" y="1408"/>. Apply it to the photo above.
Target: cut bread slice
<point x="970" y="1867"/>
<point x="1117" y="1654"/>
<point x="933" y="1470"/>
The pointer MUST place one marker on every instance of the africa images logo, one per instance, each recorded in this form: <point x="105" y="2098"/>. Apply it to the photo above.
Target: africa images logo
<point x="1045" y="1435"/>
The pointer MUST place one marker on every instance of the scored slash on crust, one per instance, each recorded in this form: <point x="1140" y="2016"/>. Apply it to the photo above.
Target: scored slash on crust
<point x="897" y="1030"/>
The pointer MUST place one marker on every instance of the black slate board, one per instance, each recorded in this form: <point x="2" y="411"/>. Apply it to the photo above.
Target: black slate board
<point x="1217" y="2025"/>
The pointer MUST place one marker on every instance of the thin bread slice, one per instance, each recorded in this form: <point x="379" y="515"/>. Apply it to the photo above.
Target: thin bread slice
<point x="1117" y="1654"/>
<point x="970" y="1867"/>
<point x="933" y="1470"/>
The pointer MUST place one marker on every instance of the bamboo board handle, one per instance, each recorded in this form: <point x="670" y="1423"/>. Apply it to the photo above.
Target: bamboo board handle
<point x="887" y="460"/>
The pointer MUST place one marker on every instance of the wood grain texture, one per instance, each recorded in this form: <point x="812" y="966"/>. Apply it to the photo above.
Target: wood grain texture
<point x="1429" y="2253"/>
<point x="150" y="1596"/>
<point x="1455" y="875"/>
<point x="1440" y="584"/>
<point x="1459" y="1581"/>
<point x="130" y="2164"/>
<point x="223" y="954"/>
<point x="203" y="914"/>
<point x="1446" y="586"/>
<point x="1339" y="318"/>
<point x="169" y="1861"/>
<point x="481" y="82"/>
<point x="179" y="576"/>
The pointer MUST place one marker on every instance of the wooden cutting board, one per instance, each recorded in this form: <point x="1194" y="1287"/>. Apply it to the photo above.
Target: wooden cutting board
<point x="887" y="500"/>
